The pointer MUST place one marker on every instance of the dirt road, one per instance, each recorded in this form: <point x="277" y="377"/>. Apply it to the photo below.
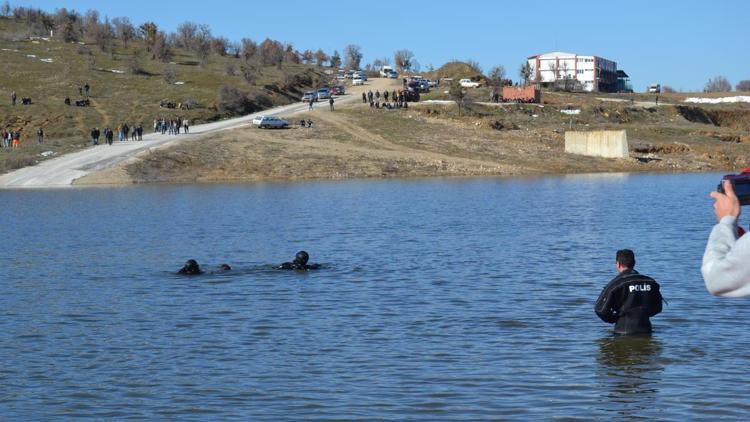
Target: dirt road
<point x="64" y="170"/>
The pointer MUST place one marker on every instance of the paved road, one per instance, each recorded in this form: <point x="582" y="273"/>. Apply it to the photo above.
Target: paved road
<point x="62" y="171"/>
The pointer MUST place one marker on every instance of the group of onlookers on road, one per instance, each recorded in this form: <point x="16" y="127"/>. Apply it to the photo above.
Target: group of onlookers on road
<point x="171" y="126"/>
<point x="135" y="133"/>
<point x="391" y="100"/>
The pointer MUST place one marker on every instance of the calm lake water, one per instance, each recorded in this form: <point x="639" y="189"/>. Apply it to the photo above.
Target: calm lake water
<point x="440" y="299"/>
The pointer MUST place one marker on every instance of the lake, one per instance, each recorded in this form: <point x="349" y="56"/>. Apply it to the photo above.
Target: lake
<point x="460" y="299"/>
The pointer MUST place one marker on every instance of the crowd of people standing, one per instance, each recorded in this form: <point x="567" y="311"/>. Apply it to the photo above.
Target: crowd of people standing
<point x="390" y="100"/>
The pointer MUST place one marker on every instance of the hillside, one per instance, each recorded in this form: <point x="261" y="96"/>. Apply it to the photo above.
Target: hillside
<point x="454" y="70"/>
<point x="48" y="70"/>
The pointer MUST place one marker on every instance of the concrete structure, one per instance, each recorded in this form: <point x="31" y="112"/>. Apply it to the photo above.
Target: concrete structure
<point x="587" y="73"/>
<point x="598" y="143"/>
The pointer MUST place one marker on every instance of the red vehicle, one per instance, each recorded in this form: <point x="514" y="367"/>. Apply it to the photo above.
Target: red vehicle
<point x="338" y="90"/>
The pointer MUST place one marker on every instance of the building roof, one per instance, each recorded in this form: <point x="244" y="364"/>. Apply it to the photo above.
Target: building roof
<point x="622" y="74"/>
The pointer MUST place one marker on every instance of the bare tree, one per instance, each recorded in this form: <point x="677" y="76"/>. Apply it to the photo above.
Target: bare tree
<point x="170" y="75"/>
<point x="308" y="56"/>
<point x="404" y="60"/>
<point x="291" y="55"/>
<point x="525" y="72"/>
<point x="162" y="49"/>
<point x="250" y="72"/>
<point x="249" y="49"/>
<point x="124" y="30"/>
<point x="718" y="84"/>
<point x="743" y="85"/>
<point x="554" y="66"/>
<point x="234" y="49"/>
<point x="149" y="32"/>
<point x="271" y="52"/>
<point x="90" y="23"/>
<point x="103" y="35"/>
<point x="667" y="89"/>
<point x="220" y="46"/>
<point x="320" y="57"/>
<point x="186" y="33"/>
<point x="335" y="60"/>
<point x="352" y="56"/>
<point x="496" y="76"/>
<point x="5" y="9"/>
<point x="474" y="65"/>
<point x="457" y="94"/>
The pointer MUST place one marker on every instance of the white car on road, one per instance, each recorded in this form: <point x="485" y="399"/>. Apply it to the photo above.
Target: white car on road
<point x="468" y="83"/>
<point x="267" y="122"/>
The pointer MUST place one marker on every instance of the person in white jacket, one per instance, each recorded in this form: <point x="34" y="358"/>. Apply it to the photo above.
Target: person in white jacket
<point x="726" y="262"/>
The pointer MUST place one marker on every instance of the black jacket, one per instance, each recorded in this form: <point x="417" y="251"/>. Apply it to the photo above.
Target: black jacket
<point x="628" y="301"/>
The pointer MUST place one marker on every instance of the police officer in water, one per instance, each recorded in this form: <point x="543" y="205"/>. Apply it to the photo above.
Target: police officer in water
<point x="630" y="299"/>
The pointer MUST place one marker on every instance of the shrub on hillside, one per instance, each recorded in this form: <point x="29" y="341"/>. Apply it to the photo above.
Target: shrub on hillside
<point x="233" y="101"/>
<point x="718" y="84"/>
<point x="170" y="75"/>
<point x="743" y="85"/>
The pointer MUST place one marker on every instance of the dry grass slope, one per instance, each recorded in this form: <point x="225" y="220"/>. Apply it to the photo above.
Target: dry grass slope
<point x="116" y="97"/>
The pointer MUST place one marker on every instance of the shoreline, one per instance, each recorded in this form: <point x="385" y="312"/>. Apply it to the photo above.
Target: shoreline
<point x="280" y="181"/>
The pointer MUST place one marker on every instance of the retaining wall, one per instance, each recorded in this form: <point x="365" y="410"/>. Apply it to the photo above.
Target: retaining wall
<point x="598" y="143"/>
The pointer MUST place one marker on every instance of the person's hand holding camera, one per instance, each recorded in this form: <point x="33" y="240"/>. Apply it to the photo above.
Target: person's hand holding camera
<point x="727" y="204"/>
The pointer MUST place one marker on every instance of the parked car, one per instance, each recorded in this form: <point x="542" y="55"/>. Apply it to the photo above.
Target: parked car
<point x="338" y="90"/>
<point x="654" y="88"/>
<point x="385" y="71"/>
<point x="267" y="122"/>
<point x="324" y="93"/>
<point x="468" y="83"/>
<point x="393" y="74"/>
<point x="360" y="74"/>
<point x="358" y="81"/>
<point x="310" y="95"/>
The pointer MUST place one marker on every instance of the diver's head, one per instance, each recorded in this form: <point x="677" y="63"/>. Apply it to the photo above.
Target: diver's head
<point x="301" y="258"/>
<point x="224" y="267"/>
<point x="191" y="265"/>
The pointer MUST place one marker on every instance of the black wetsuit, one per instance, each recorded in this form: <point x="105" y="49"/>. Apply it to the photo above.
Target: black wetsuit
<point x="296" y="266"/>
<point x="628" y="301"/>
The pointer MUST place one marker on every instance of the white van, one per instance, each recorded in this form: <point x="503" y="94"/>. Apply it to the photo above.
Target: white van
<point x="385" y="71"/>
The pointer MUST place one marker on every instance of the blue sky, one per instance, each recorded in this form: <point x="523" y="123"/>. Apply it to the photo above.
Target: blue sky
<point x="677" y="43"/>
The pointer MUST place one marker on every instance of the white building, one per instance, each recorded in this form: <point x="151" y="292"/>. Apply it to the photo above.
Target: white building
<point x="592" y="72"/>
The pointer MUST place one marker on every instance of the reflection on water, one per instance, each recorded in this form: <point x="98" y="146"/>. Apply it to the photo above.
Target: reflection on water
<point x="441" y="299"/>
<point x="630" y="371"/>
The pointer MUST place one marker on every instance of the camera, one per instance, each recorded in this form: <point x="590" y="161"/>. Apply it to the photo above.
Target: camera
<point x="741" y="183"/>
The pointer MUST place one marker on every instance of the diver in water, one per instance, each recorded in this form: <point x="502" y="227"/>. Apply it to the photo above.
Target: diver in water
<point x="299" y="263"/>
<point x="630" y="299"/>
<point x="191" y="267"/>
<point x="223" y="268"/>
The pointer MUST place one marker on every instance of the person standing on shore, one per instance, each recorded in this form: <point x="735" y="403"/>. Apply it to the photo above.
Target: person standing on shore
<point x="40" y="136"/>
<point x="312" y="100"/>
<point x="330" y="102"/>
<point x="13" y="98"/>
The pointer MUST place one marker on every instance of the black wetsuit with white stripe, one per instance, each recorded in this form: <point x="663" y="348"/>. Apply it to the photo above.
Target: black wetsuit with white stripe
<point x="628" y="301"/>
